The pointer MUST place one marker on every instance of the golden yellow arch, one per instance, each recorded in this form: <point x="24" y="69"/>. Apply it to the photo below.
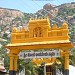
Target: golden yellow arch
<point x="39" y="35"/>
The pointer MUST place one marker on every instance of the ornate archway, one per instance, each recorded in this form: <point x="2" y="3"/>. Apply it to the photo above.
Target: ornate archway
<point x="54" y="38"/>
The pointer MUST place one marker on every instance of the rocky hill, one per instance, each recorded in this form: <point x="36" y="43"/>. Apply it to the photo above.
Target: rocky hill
<point x="10" y="18"/>
<point x="10" y="12"/>
<point x="63" y="12"/>
<point x="67" y="12"/>
<point x="49" y="10"/>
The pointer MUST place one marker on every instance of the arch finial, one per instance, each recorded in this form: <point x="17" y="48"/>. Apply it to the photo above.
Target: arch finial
<point x="54" y="26"/>
<point x="23" y="29"/>
<point x="65" y="25"/>
<point x="14" y="29"/>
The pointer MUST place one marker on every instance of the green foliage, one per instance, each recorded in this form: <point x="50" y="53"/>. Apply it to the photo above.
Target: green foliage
<point x="21" y="64"/>
<point x="74" y="17"/>
<point x="30" y="66"/>
<point x="3" y="53"/>
<point x="6" y="62"/>
<point x="28" y="72"/>
<point x="26" y="17"/>
<point x="5" y="36"/>
<point x="72" y="57"/>
<point x="40" y="70"/>
<point x="17" y="19"/>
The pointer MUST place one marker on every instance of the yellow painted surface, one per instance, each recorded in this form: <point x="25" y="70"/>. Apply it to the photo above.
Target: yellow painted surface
<point x="35" y="46"/>
<point x="39" y="30"/>
<point x="15" y="63"/>
<point x="11" y="63"/>
<point x="48" y="73"/>
<point x="39" y="35"/>
<point x="48" y="61"/>
<point x="66" y="57"/>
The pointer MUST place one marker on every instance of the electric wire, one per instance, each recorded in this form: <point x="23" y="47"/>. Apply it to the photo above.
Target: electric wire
<point x="52" y="14"/>
<point x="45" y="11"/>
<point x="31" y="8"/>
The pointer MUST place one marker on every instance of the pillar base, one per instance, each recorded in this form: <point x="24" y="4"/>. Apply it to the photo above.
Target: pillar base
<point x="66" y="72"/>
<point x="11" y="72"/>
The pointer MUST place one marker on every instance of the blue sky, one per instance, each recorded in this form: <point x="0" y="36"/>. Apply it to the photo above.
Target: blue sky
<point x="30" y="6"/>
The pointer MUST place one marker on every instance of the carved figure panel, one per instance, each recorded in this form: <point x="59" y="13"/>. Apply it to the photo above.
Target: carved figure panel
<point x="37" y="32"/>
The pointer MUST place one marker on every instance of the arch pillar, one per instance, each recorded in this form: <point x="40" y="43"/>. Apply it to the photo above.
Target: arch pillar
<point x="11" y="69"/>
<point x="13" y="64"/>
<point x="13" y="61"/>
<point x="66" y="62"/>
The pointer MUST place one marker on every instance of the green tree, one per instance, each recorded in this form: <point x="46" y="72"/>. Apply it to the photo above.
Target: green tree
<point x="72" y="57"/>
<point x="74" y="17"/>
<point x="30" y="66"/>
